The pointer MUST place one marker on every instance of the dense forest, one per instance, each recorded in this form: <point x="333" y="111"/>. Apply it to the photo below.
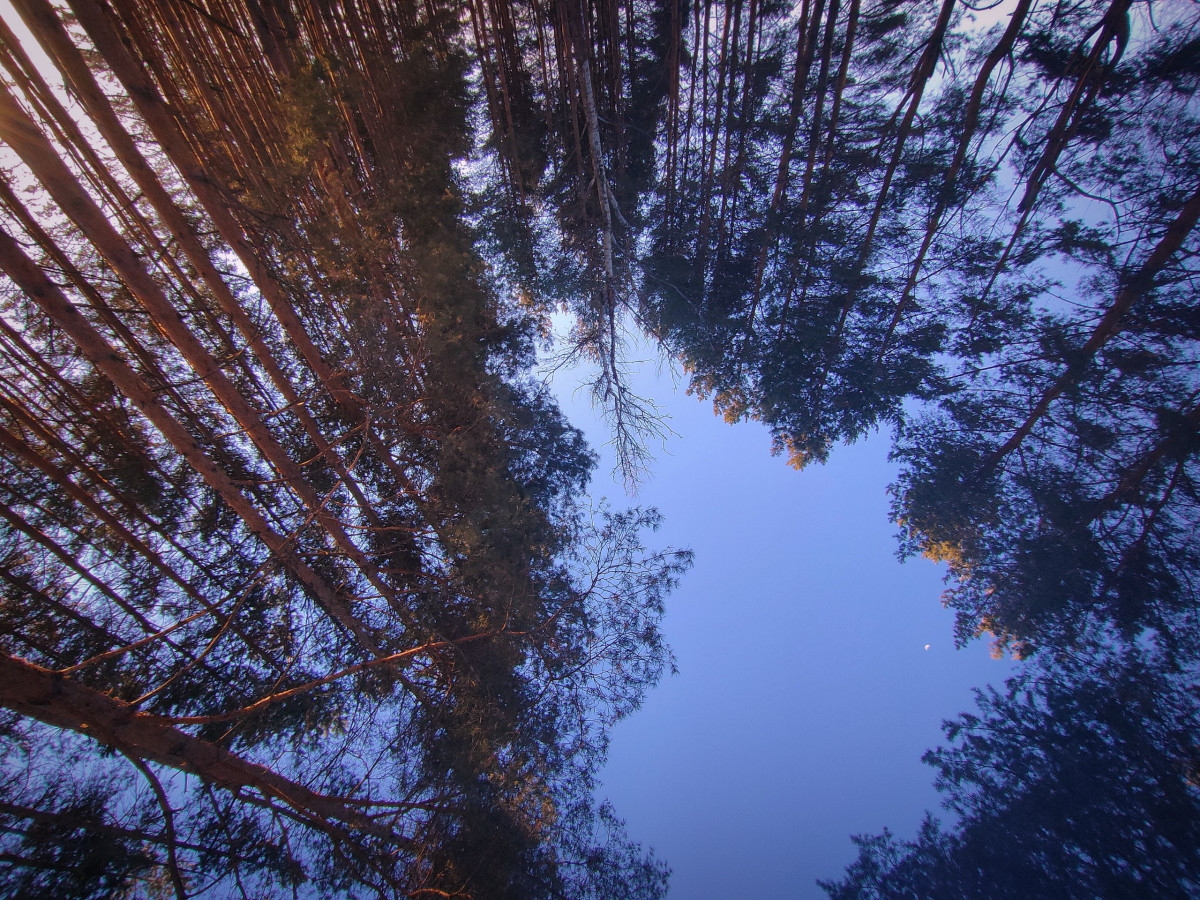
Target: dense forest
<point x="300" y="591"/>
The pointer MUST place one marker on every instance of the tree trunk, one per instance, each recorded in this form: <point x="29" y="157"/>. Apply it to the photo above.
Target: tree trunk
<point x="970" y="122"/>
<point x="1133" y="289"/>
<point x="47" y="295"/>
<point x="41" y="694"/>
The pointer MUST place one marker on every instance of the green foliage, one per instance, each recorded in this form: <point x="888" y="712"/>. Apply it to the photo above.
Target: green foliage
<point x="275" y="468"/>
<point x="1076" y="780"/>
<point x="66" y="853"/>
<point x="325" y="522"/>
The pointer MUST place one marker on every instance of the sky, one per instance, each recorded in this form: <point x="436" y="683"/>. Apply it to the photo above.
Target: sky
<point x="805" y="694"/>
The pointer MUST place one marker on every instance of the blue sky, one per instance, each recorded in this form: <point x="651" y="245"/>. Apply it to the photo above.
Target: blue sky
<point x="805" y="695"/>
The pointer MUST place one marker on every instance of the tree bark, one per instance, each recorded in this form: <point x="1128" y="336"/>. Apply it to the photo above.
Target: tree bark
<point x="1133" y="289"/>
<point x="970" y="122"/>
<point x="34" y="283"/>
<point x="41" y="694"/>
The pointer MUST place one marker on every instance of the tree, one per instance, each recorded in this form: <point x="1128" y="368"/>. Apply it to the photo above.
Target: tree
<point x="1076" y="780"/>
<point x="771" y="276"/>
<point x="1055" y="476"/>
<point x="294" y="564"/>
<point x="576" y="93"/>
<point x="874" y="265"/>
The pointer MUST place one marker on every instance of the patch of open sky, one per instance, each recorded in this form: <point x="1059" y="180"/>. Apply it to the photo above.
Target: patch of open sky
<point x="806" y="693"/>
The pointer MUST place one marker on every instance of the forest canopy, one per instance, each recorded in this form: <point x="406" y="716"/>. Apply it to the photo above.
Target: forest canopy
<point x="299" y="591"/>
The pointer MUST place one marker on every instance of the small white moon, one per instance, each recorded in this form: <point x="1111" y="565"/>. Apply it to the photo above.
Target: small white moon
<point x="926" y="646"/>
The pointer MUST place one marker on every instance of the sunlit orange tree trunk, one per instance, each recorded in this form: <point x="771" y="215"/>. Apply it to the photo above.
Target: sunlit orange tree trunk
<point x="296" y="585"/>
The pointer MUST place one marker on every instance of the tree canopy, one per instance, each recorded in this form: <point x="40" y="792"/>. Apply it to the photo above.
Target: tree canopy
<point x="1076" y="780"/>
<point x="300" y="593"/>
<point x="298" y="589"/>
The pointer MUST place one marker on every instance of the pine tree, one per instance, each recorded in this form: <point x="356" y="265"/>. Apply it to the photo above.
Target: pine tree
<point x="294" y="561"/>
<point x="1076" y="780"/>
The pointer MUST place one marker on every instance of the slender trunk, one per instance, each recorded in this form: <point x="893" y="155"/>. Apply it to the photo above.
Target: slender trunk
<point x="23" y="585"/>
<point x="54" y="303"/>
<point x="99" y="304"/>
<point x="52" y="438"/>
<point x="1113" y="26"/>
<point x="158" y="117"/>
<point x="131" y="540"/>
<point x="920" y="78"/>
<point x="1133" y="289"/>
<point x="719" y="131"/>
<point x="41" y="694"/>
<point x="806" y="35"/>
<point x="822" y="86"/>
<point x="925" y="69"/>
<point x="23" y="137"/>
<point x="970" y="122"/>
<point x="46" y="25"/>
<point x="19" y="523"/>
<point x="728" y="177"/>
<point x="843" y="74"/>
